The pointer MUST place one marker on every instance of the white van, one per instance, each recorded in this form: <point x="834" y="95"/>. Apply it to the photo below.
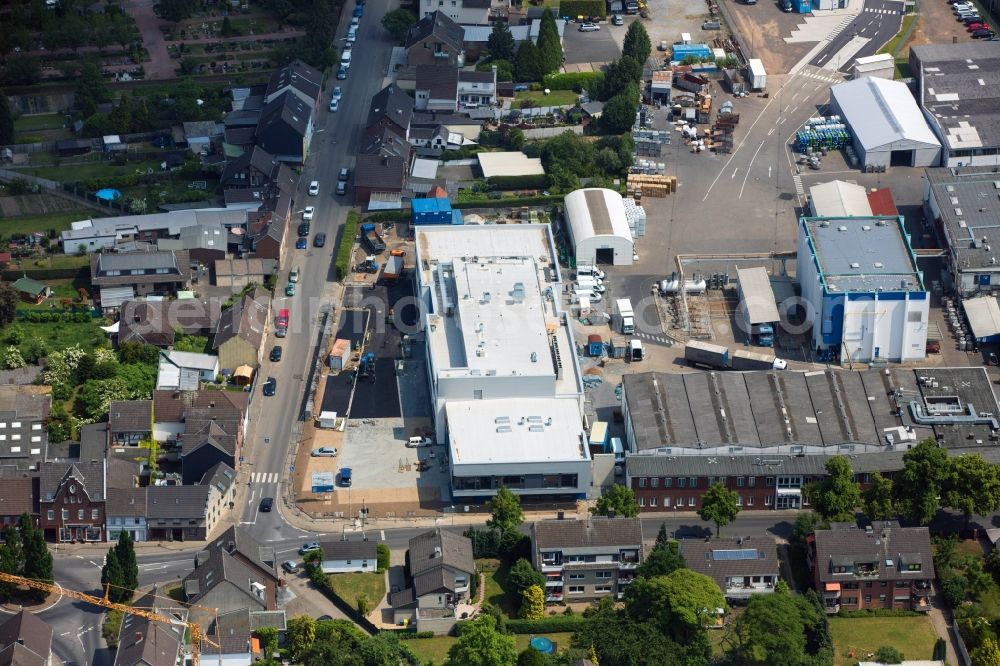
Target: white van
<point x="587" y="269"/>
<point x="593" y="286"/>
<point x="352" y="34"/>
<point x="589" y="294"/>
<point x="345" y="59"/>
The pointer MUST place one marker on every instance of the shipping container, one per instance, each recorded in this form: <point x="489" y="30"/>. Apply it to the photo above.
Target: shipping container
<point x="743" y="359"/>
<point x="756" y="74"/>
<point x="393" y="268"/>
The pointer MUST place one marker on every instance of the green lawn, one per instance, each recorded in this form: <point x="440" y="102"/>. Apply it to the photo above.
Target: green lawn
<point x="71" y="173"/>
<point x="436" y="649"/>
<point x="349" y="586"/>
<point x="539" y="98"/>
<point x="27" y="224"/>
<point x="60" y="289"/>
<point x="59" y="335"/>
<point x="495" y="575"/>
<point x="894" y="44"/>
<point x="853" y="638"/>
<point x="44" y="121"/>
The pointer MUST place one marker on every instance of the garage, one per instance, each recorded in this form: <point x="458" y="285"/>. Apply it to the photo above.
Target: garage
<point x="886" y="125"/>
<point x="598" y="227"/>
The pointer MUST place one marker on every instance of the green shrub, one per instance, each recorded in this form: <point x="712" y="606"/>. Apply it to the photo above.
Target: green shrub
<point x="509" y="201"/>
<point x="346" y="246"/>
<point x="389" y="216"/>
<point x="578" y="81"/>
<point x="878" y="612"/>
<point x="528" y="182"/>
<point x="412" y="635"/>
<point x="383" y="556"/>
<point x="547" y="625"/>
<point x="574" y="8"/>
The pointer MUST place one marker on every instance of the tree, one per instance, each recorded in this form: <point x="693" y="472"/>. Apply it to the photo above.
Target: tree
<point x="836" y="495"/>
<point x="505" y="511"/>
<point x="227" y="29"/>
<point x="769" y="631"/>
<point x="533" y="603"/>
<point x="91" y="88"/>
<point x="177" y="10"/>
<point x="987" y="654"/>
<point x="662" y="536"/>
<point x="112" y="578"/>
<point x="514" y="139"/>
<point x="888" y="655"/>
<point x="530" y="657"/>
<point x="618" y="499"/>
<point x="11" y="558"/>
<point x="617" y="639"/>
<point x="37" y="558"/>
<point x="522" y="576"/>
<point x="501" y="43"/>
<point x="620" y="75"/>
<point x="482" y="645"/>
<point x="878" y="498"/>
<point x="679" y="604"/>
<point x="637" y="45"/>
<point x="6" y="122"/>
<point x="125" y="553"/>
<point x="8" y="304"/>
<point x="300" y="634"/>
<point x="528" y="66"/>
<point x="663" y="560"/>
<point x="970" y="485"/>
<point x="917" y="487"/>
<point x="398" y="22"/>
<point x="268" y="639"/>
<point x="619" y="111"/>
<point x="719" y="505"/>
<point x="549" y="45"/>
<point x="363" y="604"/>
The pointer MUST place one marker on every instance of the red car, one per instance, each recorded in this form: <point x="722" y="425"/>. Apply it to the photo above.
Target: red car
<point x="282" y="319"/>
<point x="972" y="27"/>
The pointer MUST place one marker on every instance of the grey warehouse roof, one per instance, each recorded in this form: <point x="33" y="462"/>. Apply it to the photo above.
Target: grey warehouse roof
<point x="882" y="112"/>
<point x="968" y="203"/>
<point x="864" y="254"/>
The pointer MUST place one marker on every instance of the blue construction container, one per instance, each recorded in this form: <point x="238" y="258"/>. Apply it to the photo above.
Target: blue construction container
<point x="803" y="6"/>
<point x="368" y="226"/>
<point x="431" y="211"/>
<point x="595" y="345"/>
<point x="699" y="51"/>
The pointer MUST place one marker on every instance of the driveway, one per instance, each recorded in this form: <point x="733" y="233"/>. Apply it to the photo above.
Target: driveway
<point x="593" y="47"/>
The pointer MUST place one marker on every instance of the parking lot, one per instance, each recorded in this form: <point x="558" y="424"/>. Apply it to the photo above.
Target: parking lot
<point x="591" y="47"/>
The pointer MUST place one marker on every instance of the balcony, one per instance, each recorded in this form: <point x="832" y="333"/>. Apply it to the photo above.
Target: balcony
<point x="921" y="588"/>
<point x="551" y="567"/>
<point x="554" y="595"/>
<point x="747" y="591"/>
<point x="553" y="582"/>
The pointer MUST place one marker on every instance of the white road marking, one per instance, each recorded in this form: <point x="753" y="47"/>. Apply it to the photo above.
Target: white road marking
<point x="734" y="172"/>
<point x="746" y="177"/>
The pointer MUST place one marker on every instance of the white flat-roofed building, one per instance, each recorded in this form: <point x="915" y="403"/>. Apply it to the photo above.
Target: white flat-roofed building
<point x="533" y="446"/>
<point x="495" y="331"/>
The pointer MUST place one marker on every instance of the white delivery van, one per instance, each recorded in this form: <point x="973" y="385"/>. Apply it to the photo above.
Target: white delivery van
<point x="345" y="59"/>
<point x="352" y="34"/>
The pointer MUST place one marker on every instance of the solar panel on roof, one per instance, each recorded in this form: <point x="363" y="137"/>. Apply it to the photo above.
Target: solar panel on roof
<point x="741" y="554"/>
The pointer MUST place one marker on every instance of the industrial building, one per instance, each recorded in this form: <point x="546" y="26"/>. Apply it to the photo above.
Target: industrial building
<point x="838" y="198"/>
<point x="767" y="434"/>
<point x="886" y="124"/>
<point x="598" y="227"/>
<point x="964" y="205"/>
<point x="506" y="388"/>
<point x="758" y="311"/>
<point x="958" y="87"/>
<point x="983" y="314"/>
<point x="880" y="65"/>
<point x="859" y="277"/>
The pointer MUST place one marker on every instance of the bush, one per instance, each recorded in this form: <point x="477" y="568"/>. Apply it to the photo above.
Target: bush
<point x="485" y="542"/>
<point x="878" y="612"/>
<point x="547" y="625"/>
<point x="578" y="81"/>
<point x="413" y="635"/>
<point x="346" y="246"/>
<point x="506" y="202"/>
<point x="111" y="627"/>
<point x="383" y="557"/>
<point x="389" y="216"/>
<point x="528" y="182"/>
<point x="583" y="8"/>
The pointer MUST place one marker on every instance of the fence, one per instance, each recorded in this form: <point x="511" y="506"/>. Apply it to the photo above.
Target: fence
<point x="960" y="649"/>
<point x="50" y="146"/>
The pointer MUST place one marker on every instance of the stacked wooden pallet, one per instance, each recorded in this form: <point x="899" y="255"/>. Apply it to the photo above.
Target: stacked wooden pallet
<point x="639" y="185"/>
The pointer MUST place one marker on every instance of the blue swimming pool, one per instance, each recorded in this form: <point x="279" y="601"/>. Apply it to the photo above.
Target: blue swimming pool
<point x="542" y="644"/>
<point x="108" y="194"/>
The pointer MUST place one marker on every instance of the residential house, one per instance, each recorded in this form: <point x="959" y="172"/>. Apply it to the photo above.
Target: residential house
<point x="171" y="408"/>
<point x="239" y="273"/>
<point x="31" y="291"/>
<point x="212" y="434"/>
<point x="199" y="135"/>
<point x="239" y="337"/>
<point x="159" y="272"/>
<point x="232" y="635"/>
<point x="386" y="142"/>
<point x="25" y="640"/>
<point x="267" y="237"/>
<point x="145" y="642"/>
<point x="741" y="567"/>
<point x="475" y="38"/>
<point x="436" y="88"/>
<point x="455" y="123"/>
<point x="156" y="322"/>
<point x="477" y="88"/>
<point x="436" y="39"/>
<point x="584" y="560"/>
<point x="472" y="12"/>
<point x="254" y="169"/>
<point x="18" y="495"/>
<point x="298" y="78"/>
<point x="72" y="500"/>
<point x="379" y="177"/>
<point x="205" y="243"/>
<point x="130" y="421"/>
<point x="344" y="556"/>
<point x="222" y="480"/>
<point x="106" y="232"/>
<point x="881" y="566"/>
<point x="286" y="127"/>
<point x="390" y="108"/>
<point x="442" y="567"/>
<point x="126" y="512"/>
<point x="177" y="513"/>
<point x="24" y="438"/>
<point x="185" y="370"/>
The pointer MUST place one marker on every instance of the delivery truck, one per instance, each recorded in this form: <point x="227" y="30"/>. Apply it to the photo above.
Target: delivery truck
<point x="706" y="354"/>
<point x="624" y="316"/>
<point x="636" y="352"/>
<point x="756" y="74"/>
<point x="393" y="269"/>
<point x="371" y="239"/>
<point x="743" y="359"/>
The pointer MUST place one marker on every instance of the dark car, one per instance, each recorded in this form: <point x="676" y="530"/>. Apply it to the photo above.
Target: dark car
<point x="270" y="386"/>
<point x="345" y="476"/>
<point x="276" y="353"/>
<point x="983" y="34"/>
<point x="266" y="504"/>
<point x="301" y="243"/>
<point x="320" y="240"/>
<point x="303" y="229"/>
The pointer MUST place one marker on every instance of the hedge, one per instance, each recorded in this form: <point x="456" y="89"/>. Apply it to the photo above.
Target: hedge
<point x="547" y="625"/>
<point x="389" y="216"/>
<point x="41" y="274"/>
<point x="878" y="612"/>
<point x="578" y="81"/>
<point x="511" y="201"/>
<point x="574" y="8"/>
<point x="527" y="182"/>
<point x="346" y="247"/>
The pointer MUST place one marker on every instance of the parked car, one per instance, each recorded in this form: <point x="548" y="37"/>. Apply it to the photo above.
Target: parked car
<point x="337" y="93"/>
<point x="308" y="212"/>
<point x="301" y="244"/>
<point x="324" y="452"/>
<point x="270" y="386"/>
<point x="266" y="504"/>
<point x="275" y="353"/>
<point x="290" y="566"/>
<point x="290" y="289"/>
<point x="589" y="27"/>
<point x="417" y="442"/>
<point x="308" y="546"/>
<point x="345" y="476"/>
<point x="344" y="175"/>
<point x="341" y="73"/>
<point x="983" y="34"/>
<point x="617" y="20"/>
<point x="341" y="187"/>
<point x="314" y="188"/>
<point x="319" y="240"/>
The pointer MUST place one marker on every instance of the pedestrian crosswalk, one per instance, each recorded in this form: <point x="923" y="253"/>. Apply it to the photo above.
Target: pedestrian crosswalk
<point x="825" y="76"/>
<point x="264" y="477"/>
<point x="799" y="190"/>
<point x="881" y="11"/>
<point x="840" y="27"/>
<point x="661" y="339"/>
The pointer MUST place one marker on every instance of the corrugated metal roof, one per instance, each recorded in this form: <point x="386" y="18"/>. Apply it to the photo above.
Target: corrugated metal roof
<point x="984" y="316"/>
<point x="881" y="112"/>
<point x="756" y="294"/>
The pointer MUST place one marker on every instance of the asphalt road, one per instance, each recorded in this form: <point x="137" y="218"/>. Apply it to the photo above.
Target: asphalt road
<point x="878" y="22"/>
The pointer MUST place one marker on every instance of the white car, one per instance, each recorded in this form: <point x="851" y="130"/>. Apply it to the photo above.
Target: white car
<point x="337" y="93"/>
<point x="308" y="213"/>
<point x="419" y="442"/>
<point x="314" y="188"/>
<point x="324" y="452"/>
<point x="589" y="27"/>
<point x="334" y="105"/>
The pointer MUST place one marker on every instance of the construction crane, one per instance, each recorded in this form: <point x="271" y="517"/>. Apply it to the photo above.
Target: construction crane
<point x="198" y="636"/>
